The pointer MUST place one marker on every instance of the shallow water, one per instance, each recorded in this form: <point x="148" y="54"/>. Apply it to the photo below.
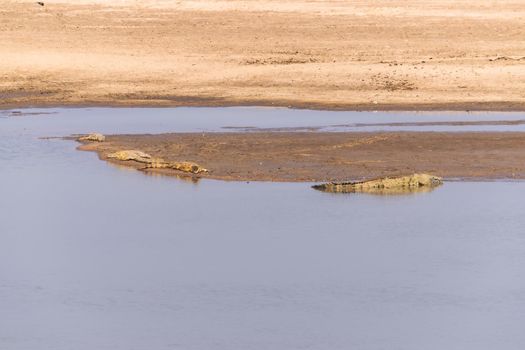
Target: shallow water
<point x="97" y="257"/>
<point x="66" y="121"/>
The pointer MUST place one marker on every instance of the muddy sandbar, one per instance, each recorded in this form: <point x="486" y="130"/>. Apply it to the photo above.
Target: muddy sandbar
<point x="325" y="156"/>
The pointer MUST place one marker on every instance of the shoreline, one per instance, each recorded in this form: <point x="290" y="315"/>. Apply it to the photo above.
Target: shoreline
<point x="329" y="107"/>
<point x="328" y="156"/>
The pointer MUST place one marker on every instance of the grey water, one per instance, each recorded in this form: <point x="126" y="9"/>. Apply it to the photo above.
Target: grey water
<point x="64" y="121"/>
<point x="97" y="257"/>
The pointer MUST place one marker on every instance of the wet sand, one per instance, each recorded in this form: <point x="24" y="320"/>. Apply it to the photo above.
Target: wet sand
<point x="324" y="156"/>
<point x="366" y="55"/>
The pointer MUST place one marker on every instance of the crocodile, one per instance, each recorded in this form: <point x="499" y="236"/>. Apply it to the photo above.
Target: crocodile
<point x="385" y="185"/>
<point x="156" y="163"/>
<point x="137" y="156"/>
<point x="188" y="167"/>
<point x="95" y="137"/>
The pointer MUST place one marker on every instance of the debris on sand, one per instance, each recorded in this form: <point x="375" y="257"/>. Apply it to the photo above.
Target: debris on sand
<point x="156" y="163"/>
<point x="507" y="58"/>
<point x="386" y="185"/>
<point x="95" y="137"/>
<point x="40" y="3"/>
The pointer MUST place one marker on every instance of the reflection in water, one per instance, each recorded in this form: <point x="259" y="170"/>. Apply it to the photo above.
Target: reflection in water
<point x="189" y="178"/>
<point x="380" y="191"/>
<point x="160" y="173"/>
<point x="122" y="166"/>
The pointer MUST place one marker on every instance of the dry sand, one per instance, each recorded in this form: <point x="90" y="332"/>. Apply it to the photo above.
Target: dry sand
<point x="320" y="156"/>
<point x="390" y="54"/>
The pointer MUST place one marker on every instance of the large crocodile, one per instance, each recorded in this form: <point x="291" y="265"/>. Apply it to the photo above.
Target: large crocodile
<point x="188" y="167"/>
<point x="386" y="185"/>
<point x="137" y="156"/>
<point x="156" y="163"/>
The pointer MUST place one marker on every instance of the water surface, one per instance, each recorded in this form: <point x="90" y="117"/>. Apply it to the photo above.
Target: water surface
<point x="230" y="119"/>
<point x="97" y="257"/>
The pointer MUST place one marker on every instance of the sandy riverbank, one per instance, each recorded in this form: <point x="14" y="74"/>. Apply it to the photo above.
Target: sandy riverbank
<point x="318" y="156"/>
<point x="398" y="55"/>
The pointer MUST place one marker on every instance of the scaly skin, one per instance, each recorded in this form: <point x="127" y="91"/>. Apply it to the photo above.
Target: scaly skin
<point x="137" y="156"/>
<point x="95" y="137"/>
<point x="188" y="167"/>
<point x="156" y="163"/>
<point x="386" y="185"/>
